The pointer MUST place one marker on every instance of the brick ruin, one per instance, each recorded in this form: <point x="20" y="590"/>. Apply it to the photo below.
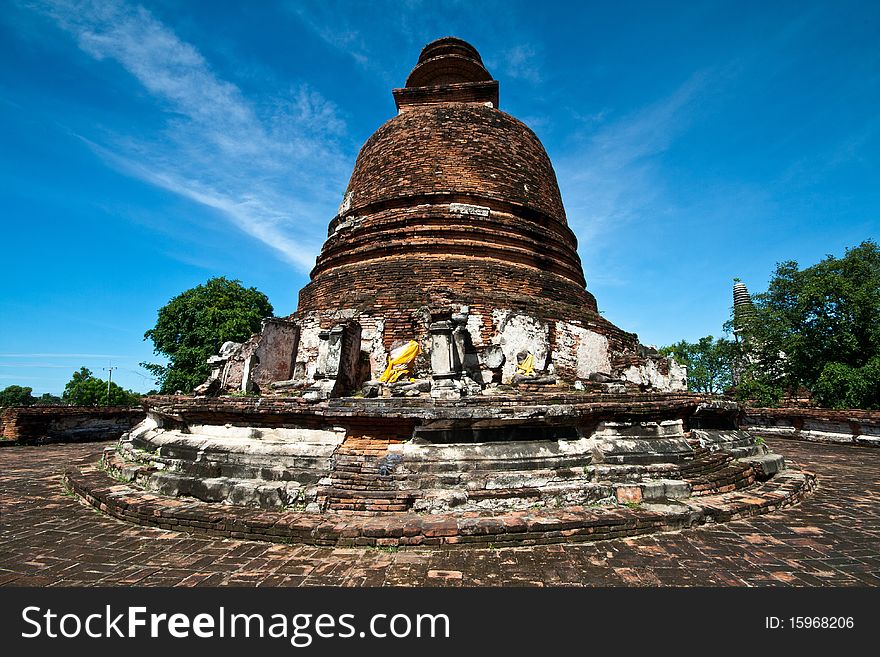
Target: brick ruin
<point x="401" y="455"/>
<point x="46" y="424"/>
<point x="451" y="232"/>
<point x="824" y="425"/>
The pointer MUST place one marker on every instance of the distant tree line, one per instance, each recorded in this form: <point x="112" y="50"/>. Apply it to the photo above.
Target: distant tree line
<point x="23" y="396"/>
<point x="83" y="389"/>
<point x="816" y="328"/>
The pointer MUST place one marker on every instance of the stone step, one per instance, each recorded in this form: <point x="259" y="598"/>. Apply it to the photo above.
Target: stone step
<point x="347" y="527"/>
<point x="724" y="480"/>
<point x="766" y="465"/>
<point x="704" y="463"/>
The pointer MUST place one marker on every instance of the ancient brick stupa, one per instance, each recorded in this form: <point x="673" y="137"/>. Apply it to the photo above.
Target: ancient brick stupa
<point x="452" y="233"/>
<point x="446" y="355"/>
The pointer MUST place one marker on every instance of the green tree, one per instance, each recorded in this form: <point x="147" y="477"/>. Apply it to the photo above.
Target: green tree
<point x="756" y="389"/>
<point x="192" y="326"/>
<point x="708" y="361"/>
<point x="16" y="396"/>
<point x="819" y="327"/>
<point x="84" y="389"/>
<point x="843" y="386"/>
<point x="48" y="399"/>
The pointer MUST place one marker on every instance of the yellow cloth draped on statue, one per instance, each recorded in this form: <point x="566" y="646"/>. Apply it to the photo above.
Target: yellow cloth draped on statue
<point x="527" y="367"/>
<point x="400" y="361"/>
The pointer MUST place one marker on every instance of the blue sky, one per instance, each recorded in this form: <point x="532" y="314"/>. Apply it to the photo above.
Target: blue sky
<point x="147" y="147"/>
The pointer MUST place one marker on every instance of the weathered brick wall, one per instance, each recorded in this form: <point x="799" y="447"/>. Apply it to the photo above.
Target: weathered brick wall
<point x="466" y="148"/>
<point x="368" y="415"/>
<point x="448" y="69"/>
<point x="854" y="426"/>
<point x="468" y="92"/>
<point x="445" y="61"/>
<point x="451" y="226"/>
<point x="396" y="287"/>
<point x="38" y="424"/>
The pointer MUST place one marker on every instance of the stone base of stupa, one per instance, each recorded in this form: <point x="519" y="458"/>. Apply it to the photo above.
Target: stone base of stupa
<point x="612" y="465"/>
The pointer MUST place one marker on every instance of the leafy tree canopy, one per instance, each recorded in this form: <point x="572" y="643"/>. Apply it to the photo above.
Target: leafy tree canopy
<point x="843" y="386"/>
<point x="192" y="326"/>
<point x="819" y="328"/>
<point x="755" y="389"/>
<point x="708" y="361"/>
<point x="84" y="389"/>
<point x="16" y="396"/>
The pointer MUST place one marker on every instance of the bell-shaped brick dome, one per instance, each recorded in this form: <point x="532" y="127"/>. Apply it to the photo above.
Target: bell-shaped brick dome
<point x="452" y="201"/>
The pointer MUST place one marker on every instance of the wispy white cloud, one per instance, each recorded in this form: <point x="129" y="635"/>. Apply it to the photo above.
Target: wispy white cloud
<point x="271" y="166"/>
<point x="60" y="355"/>
<point x="363" y="30"/>
<point x="262" y="212"/>
<point x="29" y="379"/>
<point x="522" y="62"/>
<point x="333" y="24"/>
<point x="614" y="175"/>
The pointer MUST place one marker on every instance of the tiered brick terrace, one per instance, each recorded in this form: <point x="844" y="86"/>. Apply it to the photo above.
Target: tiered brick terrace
<point x="49" y="538"/>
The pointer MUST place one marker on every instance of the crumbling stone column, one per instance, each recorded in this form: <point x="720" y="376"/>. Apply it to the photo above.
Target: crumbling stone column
<point x="333" y="352"/>
<point x="276" y="351"/>
<point x="323" y="353"/>
<point x="247" y="373"/>
<point x="338" y="357"/>
<point x="444" y="364"/>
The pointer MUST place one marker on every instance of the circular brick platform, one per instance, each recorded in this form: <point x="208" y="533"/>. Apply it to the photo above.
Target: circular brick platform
<point x="536" y="526"/>
<point x="482" y="454"/>
<point x="49" y="538"/>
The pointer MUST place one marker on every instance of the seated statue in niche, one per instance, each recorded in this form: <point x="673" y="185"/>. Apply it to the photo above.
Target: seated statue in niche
<point x="525" y="371"/>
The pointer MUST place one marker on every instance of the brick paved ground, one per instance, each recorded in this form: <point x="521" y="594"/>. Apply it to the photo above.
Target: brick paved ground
<point x="833" y="539"/>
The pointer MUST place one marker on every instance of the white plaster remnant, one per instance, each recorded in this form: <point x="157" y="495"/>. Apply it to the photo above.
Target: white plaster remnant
<point x="247" y="373"/>
<point x="581" y="350"/>
<point x="333" y="435"/>
<point x="492" y="357"/>
<point x="678" y="376"/>
<point x="310" y="327"/>
<point x="650" y="376"/>
<point x="464" y="208"/>
<point x="520" y="332"/>
<point x="351" y="222"/>
<point x="346" y="203"/>
<point x="474" y="326"/>
<point x="372" y="330"/>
